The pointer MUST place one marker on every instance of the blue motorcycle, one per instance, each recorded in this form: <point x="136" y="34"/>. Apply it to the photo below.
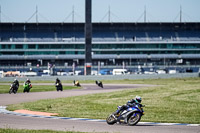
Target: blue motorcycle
<point x="130" y="116"/>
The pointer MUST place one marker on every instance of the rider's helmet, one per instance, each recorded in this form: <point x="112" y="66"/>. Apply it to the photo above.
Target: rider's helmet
<point x="28" y="81"/>
<point x="138" y="99"/>
<point x="15" y="81"/>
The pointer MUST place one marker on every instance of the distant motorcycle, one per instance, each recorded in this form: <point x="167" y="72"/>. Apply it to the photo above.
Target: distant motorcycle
<point x="27" y="87"/>
<point x="59" y="87"/>
<point x="13" y="88"/>
<point x="76" y="83"/>
<point x="130" y="116"/>
<point x="99" y="83"/>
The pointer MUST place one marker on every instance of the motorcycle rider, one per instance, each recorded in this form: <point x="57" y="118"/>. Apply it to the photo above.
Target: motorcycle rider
<point x="27" y="85"/>
<point x="130" y="103"/>
<point x="16" y="84"/>
<point x="76" y="83"/>
<point x="57" y="81"/>
<point x="99" y="83"/>
<point x="28" y="81"/>
<point x="58" y="84"/>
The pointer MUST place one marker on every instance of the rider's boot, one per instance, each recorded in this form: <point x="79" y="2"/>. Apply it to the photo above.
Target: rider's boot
<point x="117" y="113"/>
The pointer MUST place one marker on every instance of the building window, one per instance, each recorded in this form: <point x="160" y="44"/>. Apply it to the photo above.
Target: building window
<point x="62" y="52"/>
<point x="19" y="46"/>
<point x="3" y="46"/>
<point x="6" y="46"/>
<point x="31" y="46"/>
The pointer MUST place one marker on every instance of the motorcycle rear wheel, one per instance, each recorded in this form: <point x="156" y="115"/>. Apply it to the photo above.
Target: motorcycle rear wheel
<point x="134" y="119"/>
<point x="111" y="120"/>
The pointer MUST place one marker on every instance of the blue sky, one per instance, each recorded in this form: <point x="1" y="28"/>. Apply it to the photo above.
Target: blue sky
<point x="121" y="10"/>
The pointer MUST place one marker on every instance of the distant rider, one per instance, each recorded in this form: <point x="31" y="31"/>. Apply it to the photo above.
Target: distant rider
<point x="58" y="85"/>
<point x="28" y="81"/>
<point x="99" y="83"/>
<point x="130" y="103"/>
<point x="16" y="84"/>
<point x="76" y="83"/>
<point x="58" y="81"/>
<point x="27" y="86"/>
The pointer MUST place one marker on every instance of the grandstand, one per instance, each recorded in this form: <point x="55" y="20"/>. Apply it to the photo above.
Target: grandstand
<point x="113" y="44"/>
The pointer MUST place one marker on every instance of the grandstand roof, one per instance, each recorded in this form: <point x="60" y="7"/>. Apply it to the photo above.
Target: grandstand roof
<point x="106" y="23"/>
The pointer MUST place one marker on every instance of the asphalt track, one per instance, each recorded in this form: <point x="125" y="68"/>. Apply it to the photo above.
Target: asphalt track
<point x="20" y="122"/>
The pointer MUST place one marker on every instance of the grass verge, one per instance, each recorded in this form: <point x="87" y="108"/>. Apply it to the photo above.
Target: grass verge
<point x="177" y="101"/>
<point x="8" y="130"/>
<point x="36" y="88"/>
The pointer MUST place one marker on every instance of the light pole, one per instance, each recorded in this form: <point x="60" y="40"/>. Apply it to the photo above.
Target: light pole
<point x="88" y="36"/>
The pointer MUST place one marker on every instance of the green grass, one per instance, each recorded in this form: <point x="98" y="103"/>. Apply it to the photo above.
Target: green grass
<point x="8" y="130"/>
<point x="176" y="100"/>
<point x="36" y="88"/>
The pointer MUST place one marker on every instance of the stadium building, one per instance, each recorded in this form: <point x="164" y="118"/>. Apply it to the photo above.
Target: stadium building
<point x="113" y="44"/>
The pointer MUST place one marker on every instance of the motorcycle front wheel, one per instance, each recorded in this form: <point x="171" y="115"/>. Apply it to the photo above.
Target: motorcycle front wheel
<point x="111" y="119"/>
<point x="10" y="91"/>
<point x="14" y="91"/>
<point x="101" y="85"/>
<point x="134" y="119"/>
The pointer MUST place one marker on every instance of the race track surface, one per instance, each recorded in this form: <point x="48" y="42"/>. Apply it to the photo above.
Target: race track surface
<point x="21" y="122"/>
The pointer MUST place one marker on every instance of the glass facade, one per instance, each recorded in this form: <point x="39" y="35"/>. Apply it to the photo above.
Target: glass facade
<point x="113" y="43"/>
<point x="74" y="49"/>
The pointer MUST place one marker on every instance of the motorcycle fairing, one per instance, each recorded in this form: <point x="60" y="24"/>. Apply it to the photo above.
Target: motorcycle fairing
<point x="125" y="114"/>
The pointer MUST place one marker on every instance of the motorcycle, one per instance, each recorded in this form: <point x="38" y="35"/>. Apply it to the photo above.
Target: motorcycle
<point x="99" y="83"/>
<point x="130" y="116"/>
<point x="76" y="83"/>
<point x="13" y="88"/>
<point x="59" y="87"/>
<point x="27" y="87"/>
